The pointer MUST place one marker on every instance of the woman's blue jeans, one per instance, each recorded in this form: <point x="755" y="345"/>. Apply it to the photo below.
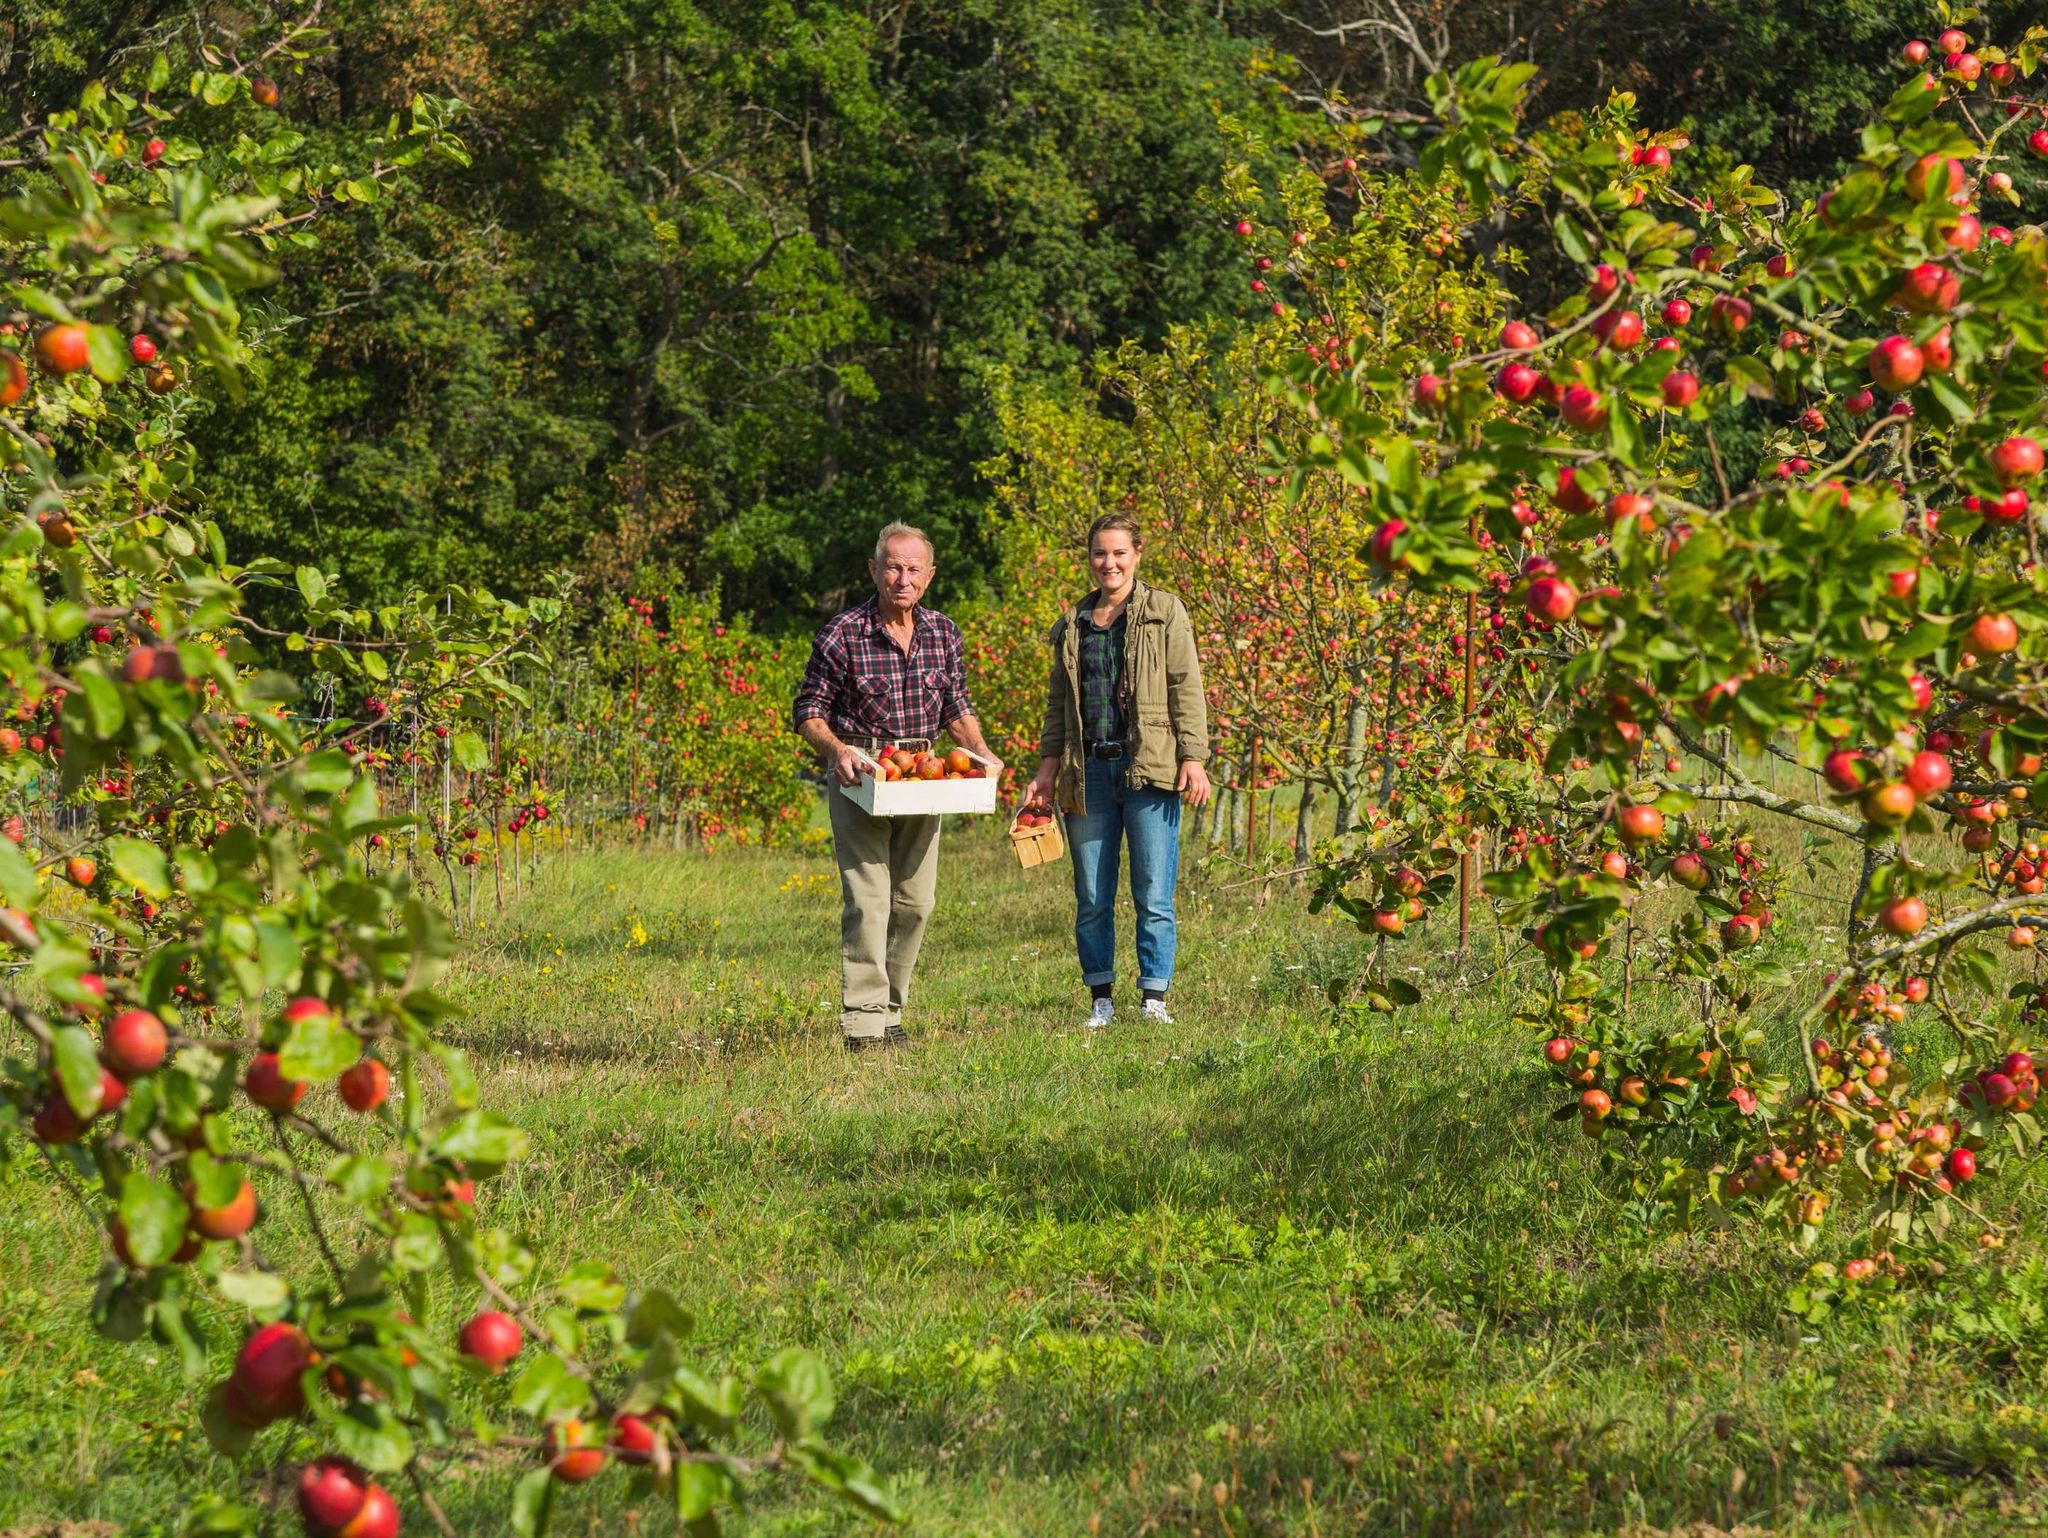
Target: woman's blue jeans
<point x="1150" y="820"/>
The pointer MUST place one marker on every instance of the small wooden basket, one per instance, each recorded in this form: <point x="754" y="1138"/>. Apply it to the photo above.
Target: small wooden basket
<point x="1037" y="846"/>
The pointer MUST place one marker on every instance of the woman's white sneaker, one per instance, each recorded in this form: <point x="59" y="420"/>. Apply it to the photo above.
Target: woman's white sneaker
<point x="1100" y="1013"/>
<point x="1155" y="1012"/>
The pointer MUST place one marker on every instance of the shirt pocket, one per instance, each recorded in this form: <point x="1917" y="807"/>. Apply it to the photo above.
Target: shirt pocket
<point x="870" y="693"/>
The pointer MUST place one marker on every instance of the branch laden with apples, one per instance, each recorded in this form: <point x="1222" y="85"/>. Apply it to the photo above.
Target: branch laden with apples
<point x="1869" y="605"/>
<point x="211" y="938"/>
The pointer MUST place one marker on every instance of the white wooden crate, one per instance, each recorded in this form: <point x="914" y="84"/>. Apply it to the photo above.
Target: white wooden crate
<point x="879" y="797"/>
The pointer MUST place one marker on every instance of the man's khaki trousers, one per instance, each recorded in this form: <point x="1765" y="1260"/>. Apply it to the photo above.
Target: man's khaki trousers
<point x="888" y="882"/>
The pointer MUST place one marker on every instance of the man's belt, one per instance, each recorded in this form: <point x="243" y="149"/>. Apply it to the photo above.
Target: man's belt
<point x="1105" y="750"/>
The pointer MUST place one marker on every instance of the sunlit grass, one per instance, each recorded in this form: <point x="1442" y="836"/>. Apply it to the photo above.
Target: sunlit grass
<point x="1269" y="1270"/>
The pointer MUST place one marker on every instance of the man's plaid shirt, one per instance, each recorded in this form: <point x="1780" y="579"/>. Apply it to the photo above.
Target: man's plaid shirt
<point x="863" y="685"/>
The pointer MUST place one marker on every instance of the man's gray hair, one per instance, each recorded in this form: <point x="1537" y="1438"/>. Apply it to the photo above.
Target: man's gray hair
<point x="903" y="531"/>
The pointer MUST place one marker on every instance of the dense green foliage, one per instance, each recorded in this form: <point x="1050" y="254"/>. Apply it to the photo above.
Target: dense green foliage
<point x="729" y="280"/>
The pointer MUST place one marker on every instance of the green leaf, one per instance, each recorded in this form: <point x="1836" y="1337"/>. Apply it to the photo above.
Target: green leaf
<point x="798" y="1390"/>
<point x="107" y="353"/>
<point x="592" y="1285"/>
<point x="17" y="876"/>
<point x="651" y="1383"/>
<point x="481" y="1138"/>
<point x="370" y="1432"/>
<point x="470" y="752"/>
<point x="699" y="1488"/>
<point x="259" y="1290"/>
<point x="533" y="1500"/>
<point x="359" y="1177"/>
<point x="654" y="1312"/>
<point x="318" y="1046"/>
<point x="418" y="1245"/>
<point x="545" y="1388"/>
<point x="141" y="865"/>
<point x="229" y="1434"/>
<point x="215" y="1516"/>
<point x="103" y="707"/>
<point x="312" y="585"/>
<point x="78" y="1069"/>
<point x="1570" y="239"/>
<point x="215" y="1182"/>
<point x="327" y="773"/>
<point x="153" y="1215"/>
<point x="1914" y="100"/>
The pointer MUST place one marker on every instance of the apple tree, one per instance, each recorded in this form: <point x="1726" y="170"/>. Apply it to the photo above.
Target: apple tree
<point x="226" y="1000"/>
<point x="1868" y="604"/>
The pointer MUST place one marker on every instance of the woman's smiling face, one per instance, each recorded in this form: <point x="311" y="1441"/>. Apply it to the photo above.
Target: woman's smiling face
<point x="1114" y="560"/>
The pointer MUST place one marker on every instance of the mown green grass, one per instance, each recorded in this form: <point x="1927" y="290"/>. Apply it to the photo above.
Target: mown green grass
<point x="1344" y="1274"/>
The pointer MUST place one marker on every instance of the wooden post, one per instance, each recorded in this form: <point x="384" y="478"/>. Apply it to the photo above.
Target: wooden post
<point x="1465" y="856"/>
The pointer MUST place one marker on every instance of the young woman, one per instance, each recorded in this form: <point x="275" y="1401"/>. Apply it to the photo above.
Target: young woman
<point x="1125" y="737"/>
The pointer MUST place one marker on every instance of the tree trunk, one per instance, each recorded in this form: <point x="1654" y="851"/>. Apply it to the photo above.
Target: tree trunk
<point x="1353" y="772"/>
<point x="1304" y="834"/>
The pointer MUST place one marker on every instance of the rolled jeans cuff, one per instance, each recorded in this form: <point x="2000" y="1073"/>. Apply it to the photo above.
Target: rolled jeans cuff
<point x="1155" y="984"/>
<point x="1095" y="979"/>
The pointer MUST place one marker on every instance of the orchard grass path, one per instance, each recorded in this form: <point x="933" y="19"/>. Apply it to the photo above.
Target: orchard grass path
<point x="1261" y="1272"/>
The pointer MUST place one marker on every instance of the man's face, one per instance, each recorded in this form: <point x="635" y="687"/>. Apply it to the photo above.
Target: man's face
<point x="903" y="572"/>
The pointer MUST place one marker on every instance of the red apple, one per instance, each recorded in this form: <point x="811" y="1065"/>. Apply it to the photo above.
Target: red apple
<point x="1681" y="388"/>
<point x="1929" y="774"/>
<point x="1553" y="599"/>
<point x="1640" y="824"/>
<point x="62" y="349"/>
<point x="1889" y="804"/>
<point x="1903" y="916"/>
<point x="377" y="1519"/>
<point x="136" y="1043"/>
<point x="1993" y="634"/>
<point x="1516" y="382"/>
<point x="1929" y="289"/>
<point x="1730" y="312"/>
<point x="1582" y="408"/>
<point x="2015" y="460"/>
<point x="1845" y="771"/>
<point x="331" y="1492"/>
<point x="364" y="1085"/>
<point x="1896" y="364"/>
<point x="633" y="1439"/>
<point x="263" y="1083"/>
<point x="573" y="1453"/>
<point x="229" y="1221"/>
<point x="492" y="1338"/>
<point x="266" y="1384"/>
<point x="1382" y="546"/>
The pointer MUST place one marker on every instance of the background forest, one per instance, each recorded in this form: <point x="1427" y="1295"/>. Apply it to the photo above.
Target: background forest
<point x="729" y="284"/>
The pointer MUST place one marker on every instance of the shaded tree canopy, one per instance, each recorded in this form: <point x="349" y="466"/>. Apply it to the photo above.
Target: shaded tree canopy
<point x="729" y="280"/>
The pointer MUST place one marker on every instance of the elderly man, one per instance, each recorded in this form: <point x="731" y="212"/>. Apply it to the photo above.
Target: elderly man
<point x="887" y="670"/>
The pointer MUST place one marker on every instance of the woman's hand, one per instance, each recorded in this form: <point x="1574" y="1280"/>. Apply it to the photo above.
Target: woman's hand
<point x="1193" y="784"/>
<point x="1041" y="788"/>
